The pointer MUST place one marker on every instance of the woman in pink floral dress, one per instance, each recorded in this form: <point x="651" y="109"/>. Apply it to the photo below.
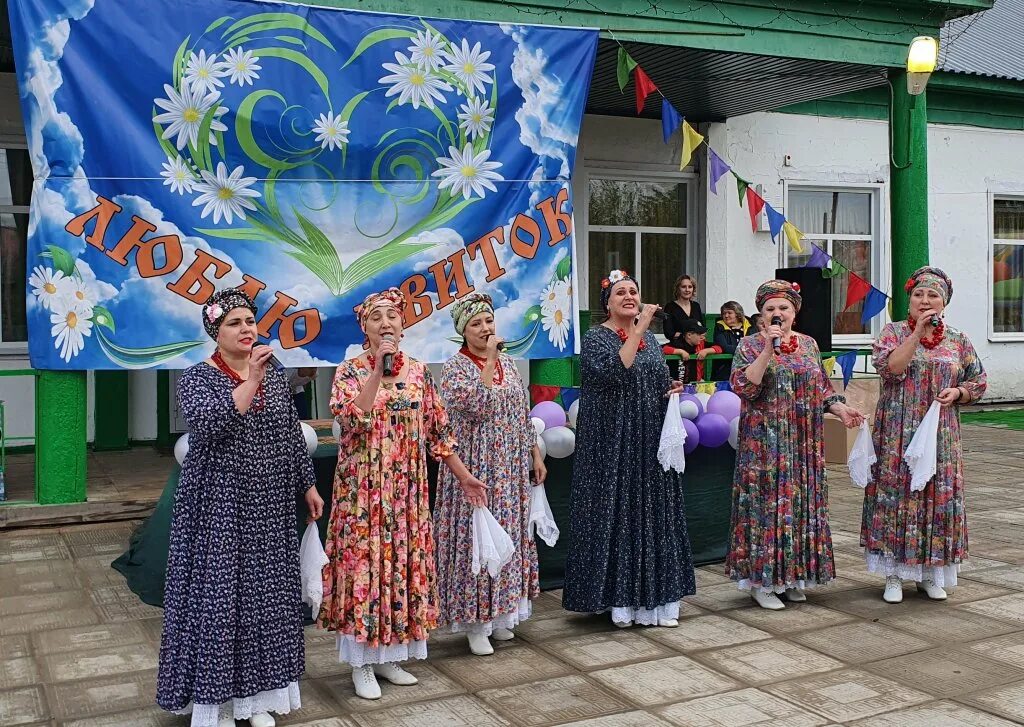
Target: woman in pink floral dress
<point x="380" y="594"/>
<point x="490" y="418"/>
<point x="921" y="536"/>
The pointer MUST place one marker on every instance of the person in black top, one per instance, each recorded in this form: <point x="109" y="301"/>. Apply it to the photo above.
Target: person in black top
<point x="729" y="329"/>
<point x="684" y="307"/>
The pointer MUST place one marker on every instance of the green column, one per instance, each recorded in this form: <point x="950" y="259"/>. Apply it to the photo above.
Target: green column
<point x="60" y="437"/>
<point x="163" y="409"/>
<point x="113" y="406"/>
<point x="908" y="191"/>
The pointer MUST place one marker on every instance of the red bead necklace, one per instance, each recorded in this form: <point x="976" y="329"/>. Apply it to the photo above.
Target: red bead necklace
<point x="237" y="380"/>
<point x="937" y="335"/>
<point x="499" y="372"/>
<point x="788" y="346"/>
<point x="396" y="365"/>
<point x="623" y="336"/>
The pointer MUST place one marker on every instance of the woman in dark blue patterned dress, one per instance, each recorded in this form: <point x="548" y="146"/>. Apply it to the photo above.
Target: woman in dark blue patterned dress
<point x="232" y="645"/>
<point x="628" y="549"/>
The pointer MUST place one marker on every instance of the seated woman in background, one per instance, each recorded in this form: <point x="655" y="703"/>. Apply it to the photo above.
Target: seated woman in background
<point x="729" y="329"/>
<point x="692" y="347"/>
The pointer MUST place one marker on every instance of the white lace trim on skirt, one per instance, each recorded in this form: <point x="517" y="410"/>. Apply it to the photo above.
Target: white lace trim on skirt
<point x="645" y="616"/>
<point x="501" y="621"/>
<point x="279" y="701"/>
<point x="357" y="653"/>
<point x="746" y="585"/>
<point x="943" y="575"/>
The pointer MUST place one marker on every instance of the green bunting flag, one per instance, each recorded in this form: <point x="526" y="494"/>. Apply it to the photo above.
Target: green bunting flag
<point x="625" y="67"/>
<point x="741" y="187"/>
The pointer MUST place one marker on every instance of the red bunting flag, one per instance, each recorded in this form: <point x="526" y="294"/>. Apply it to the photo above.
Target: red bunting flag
<point x="755" y="203"/>
<point x="539" y="393"/>
<point x="857" y="289"/>
<point x="644" y="87"/>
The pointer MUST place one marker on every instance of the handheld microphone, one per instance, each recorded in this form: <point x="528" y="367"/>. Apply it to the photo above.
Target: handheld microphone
<point x="935" y="321"/>
<point x="272" y="361"/>
<point x="389" y="358"/>
<point x="776" y="341"/>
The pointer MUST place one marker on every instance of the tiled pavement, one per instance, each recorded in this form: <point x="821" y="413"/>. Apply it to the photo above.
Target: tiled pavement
<point x="77" y="648"/>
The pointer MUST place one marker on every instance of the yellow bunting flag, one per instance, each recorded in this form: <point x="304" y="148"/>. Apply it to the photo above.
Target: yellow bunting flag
<point x="691" y="140"/>
<point x="706" y="388"/>
<point x="793" y="236"/>
<point x="829" y="364"/>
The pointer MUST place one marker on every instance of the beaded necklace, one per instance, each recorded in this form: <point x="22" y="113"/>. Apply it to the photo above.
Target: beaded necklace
<point x="396" y="364"/>
<point x="499" y="372"/>
<point x="237" y="380"/>
<point x="788" y="346"/>
<point x="623" y="336"/>
<point x="933" y="340"/>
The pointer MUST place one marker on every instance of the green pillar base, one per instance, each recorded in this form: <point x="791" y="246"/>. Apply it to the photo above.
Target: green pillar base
<point x="60" y="437"/>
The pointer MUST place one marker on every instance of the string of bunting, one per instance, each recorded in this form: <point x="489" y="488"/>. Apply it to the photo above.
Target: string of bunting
<point x="858" y="289"/>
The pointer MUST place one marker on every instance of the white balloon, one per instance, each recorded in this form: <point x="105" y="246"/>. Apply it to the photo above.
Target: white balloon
<point x="336" y="429"/>
<point x="181" y="449"/>
<point x="560" y="441"/>
<point x="543" y="447"/>
<point x="688" y="409"/>
<point x="539" y="425"/>
<point x="734" y="433"/>
<point x="310" y="434"/>
<point x="574" y="413"/>
<point x="703" y="399"/>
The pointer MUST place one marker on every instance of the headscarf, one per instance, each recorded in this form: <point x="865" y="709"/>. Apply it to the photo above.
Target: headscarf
<point x="222" y="303"/>
<point x="778" y="289"/>
<point x="390" y="298"/>
<point x="466" y="309"/>
<point x="933" y="279"/>
<point x="614" y="278"/>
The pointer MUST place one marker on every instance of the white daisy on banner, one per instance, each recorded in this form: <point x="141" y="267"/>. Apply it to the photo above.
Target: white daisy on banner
<point x="70" y="324"/>
<point x="557" y="295"/>
<point x="241" y="65"/>
<point x="467" y="172"/>
<point x="76" y="291"/>
<point x="556" y="321"/>
<point x="416" y="85"/>
<point x="185" y="112"/>
<point x="331" y="131"/>
<point x="45" y="284"/>
<point x="476" y="117"/>
<point x="177" y="175"/>
<point x="225" y="194"/>
<point x="470" y="66"/>
<point x="203" y="72"/>
<point x="427" y="50"/>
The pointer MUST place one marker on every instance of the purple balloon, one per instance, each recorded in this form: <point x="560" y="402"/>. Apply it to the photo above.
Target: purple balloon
<point x="550" y="413"/>
<point x="695" y="400"/>
<point x="692" y="436"/>
<point x="714" y="430"/>
<point x="725" y="403"/>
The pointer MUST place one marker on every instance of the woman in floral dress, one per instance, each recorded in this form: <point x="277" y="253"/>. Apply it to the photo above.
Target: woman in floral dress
<point x="232" y="645"/>
<point x="921" y="536"/>
<point x="780" y="540"/>
<point x="380" y="593"/>
<point x="490" y="417"/>
<point x="629" y="553"/>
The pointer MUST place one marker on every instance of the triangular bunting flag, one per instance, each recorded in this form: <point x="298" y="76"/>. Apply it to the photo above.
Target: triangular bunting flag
<point x="569" y="395"/>
<point x="723" y="386"/>
<point x="873" y="305"/>
<point x="741" y="187"/>
<point x="644" y="87"/>
<point x="856" y="289"/>
<point x="670" y="119"/>
<point x="755" y="203"/>
<point x="775" y="221"/>
<point x="539" y="393"/>
<point x="819" y="258"/>
<point x="707" y="387"/>
<point x="837" y="269"/>
<point x="691" y="140"/>
<point x="624" y="67"/>
<point x="716" y="169"/>
<point x="829" y="365"/>
<point x="846" y="363"/>
<point x="793" y="237"/>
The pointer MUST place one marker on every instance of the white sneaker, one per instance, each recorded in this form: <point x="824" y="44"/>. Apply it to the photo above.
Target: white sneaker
<point x="623" y="624"/>
<point x="795" y="595"/>
<point x="500" y="634"/>
<point x="767" y="599"/>
<point x="395" y="674"/>
<point x="893" y="590"/>
<point x="479" y="644"/>
<point x="668" y="623"/>
<point x="365" y="682"/>
<point x="934" y="592"/>
<point x="262" y="719"/>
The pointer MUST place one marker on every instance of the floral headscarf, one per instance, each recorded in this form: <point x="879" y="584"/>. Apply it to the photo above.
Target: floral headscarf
<point x="466" y="309"/>
<point x="390" y="298"/>
<point x="222" y="303"/>
<point x="933" y="279"/>
<point x="778" y="289"/>
<point x="614" y="278"/>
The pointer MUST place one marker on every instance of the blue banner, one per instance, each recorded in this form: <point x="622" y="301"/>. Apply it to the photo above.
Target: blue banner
<point x="308" y="155"/>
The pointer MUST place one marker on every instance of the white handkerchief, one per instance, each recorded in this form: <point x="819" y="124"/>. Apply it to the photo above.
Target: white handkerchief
<point x="492" y="547"/>
<point x="542" y="520"/>
<point x="922" y="452"/>
<point x="862" y="456"/>
<point x="312" y="560"/>
<point x="671" y="448"/>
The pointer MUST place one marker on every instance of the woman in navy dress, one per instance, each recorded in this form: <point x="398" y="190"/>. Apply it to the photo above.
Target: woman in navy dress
<point x="232" y="645"/>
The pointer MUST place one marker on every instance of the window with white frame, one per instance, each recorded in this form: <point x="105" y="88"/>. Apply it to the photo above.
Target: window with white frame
<point x="844" y="222"/>
<point x="15" y="191"/>
<point x="638" y="225"/>
<point x="1008" y="267"/>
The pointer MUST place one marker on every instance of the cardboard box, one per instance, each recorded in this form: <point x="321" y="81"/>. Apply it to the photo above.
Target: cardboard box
<point x="861" y="394"/>
<point x="838" y="439"/>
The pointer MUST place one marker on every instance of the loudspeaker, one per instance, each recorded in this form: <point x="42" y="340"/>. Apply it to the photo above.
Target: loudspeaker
<point x="815" y="316"/>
